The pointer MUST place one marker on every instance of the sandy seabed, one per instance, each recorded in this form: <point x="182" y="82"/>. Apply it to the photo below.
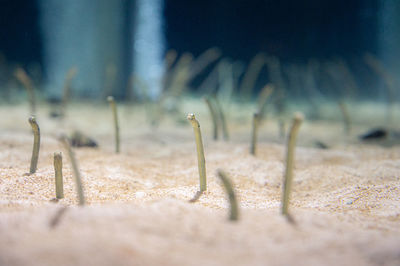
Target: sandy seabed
<point x="345" y="199"/>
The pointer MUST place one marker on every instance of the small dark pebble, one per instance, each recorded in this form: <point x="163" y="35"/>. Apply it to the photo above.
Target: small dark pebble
<point x="54" y="100"/>
<point x="78" y="139"/>
<point x="395" y="134"/>
<point x="321" y="145"/>
<point x="375" y="134"/>
<point x="55" y="114"/>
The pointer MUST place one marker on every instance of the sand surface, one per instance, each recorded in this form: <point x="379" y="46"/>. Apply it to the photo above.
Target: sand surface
<point x="345" y="200"/>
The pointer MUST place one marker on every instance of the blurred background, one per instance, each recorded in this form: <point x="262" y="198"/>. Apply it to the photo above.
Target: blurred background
<point x="136" y="49"/>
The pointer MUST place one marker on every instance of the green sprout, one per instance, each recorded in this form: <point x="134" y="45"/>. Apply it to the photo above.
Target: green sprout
<point x="234" y="214"/>
<point x="27" y="82"/>
<point x="110" y="78"/>
<point x="287" y="185"/>
<point x="256" y="122"/>
<point x="250" y="76"/>
<point x="213" y="116"/>
<point x="58" y="175"/>
<point x="36" y="144"/>
<point x="170" y="58"/>
<point x="263" y="97"/>
<point x="390" y="82"/>
<point x="69" y="76"/>
<point x="259" y="115"/>
<point x="75" y="168"/>
<point x="113" y="105"/>
<point x="204" y="60"/>
<point x="221" y="117"/>
<point x="281" y="127"/>
<point x="346" y="117"/>
<point x="200" y="156"/>
<point x="280" y="106"/>
<point x="180" y="75"/>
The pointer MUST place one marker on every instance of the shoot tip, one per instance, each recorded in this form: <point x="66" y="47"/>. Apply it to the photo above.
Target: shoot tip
<point x="32" y="120"/>
<point x="298" y="116"/>
<point x="191" y="116"/>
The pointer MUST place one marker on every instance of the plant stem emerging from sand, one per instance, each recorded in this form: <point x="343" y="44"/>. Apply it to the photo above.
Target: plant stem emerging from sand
<point x="26" y="81"/>
<point x="58" y="175"/>
<point x="287" y="182"/>
<point x="263" y="97"/>
<point x="346" y="117"/>
<point x="36" y="144"/>
<point x="222" y="118"/>
<point x="200" y="156"/>
<point x="75" y="168"/>
<point x="234" y="215"/>
<point x="67" y="89"/>
<point x="256" y="122"/>
<point x="113" y="105"/>
<point x="251" y="74"/>
<point x="213" y="116"/>
<point x="281" y="127"/>
<point x="389" y="81"/>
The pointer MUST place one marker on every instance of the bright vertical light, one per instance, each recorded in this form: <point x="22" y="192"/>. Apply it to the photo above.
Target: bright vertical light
<point x="86" y="34"/>
<point x="149" y="45"/>
<point x="68" y="39"/>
